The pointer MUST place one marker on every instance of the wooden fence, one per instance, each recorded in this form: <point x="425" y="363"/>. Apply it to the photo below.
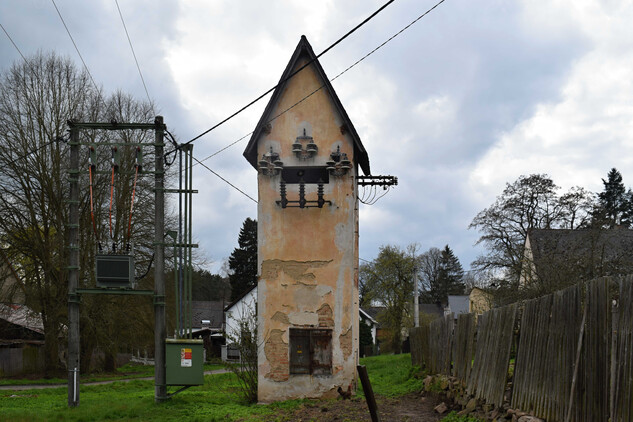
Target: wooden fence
<point x="573" y="352"/>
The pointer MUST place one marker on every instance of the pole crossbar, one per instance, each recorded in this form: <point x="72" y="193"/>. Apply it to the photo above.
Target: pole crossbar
<point x="116" y="126"/>
<point x="107" y="291"/>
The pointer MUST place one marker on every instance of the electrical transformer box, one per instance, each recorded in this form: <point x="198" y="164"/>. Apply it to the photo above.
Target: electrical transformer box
<point x="184" y="362"/>
<point x="115" y="271"/>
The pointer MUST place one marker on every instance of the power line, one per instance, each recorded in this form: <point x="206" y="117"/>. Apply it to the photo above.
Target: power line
<point x="22" y="157"/>
<point x="39" y="117"/>
<point x="11" y="39"/>
<point x="77" y="49"/>
<point x="133" y="53"/>
<point x="293" y="73"/>
<point x="226" y="181"/>
<point x="270" y="120"/>
<point x="319" y="88"/>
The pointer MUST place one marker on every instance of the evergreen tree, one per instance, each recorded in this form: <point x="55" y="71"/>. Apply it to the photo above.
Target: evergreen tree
<point x="614" y="202"/>
<point x="243" y="260"/>
<point x="207" y="286"/>
<point x="441" y="275"/>
<point x="451" y="275"/>
<point x="364" y="337"/>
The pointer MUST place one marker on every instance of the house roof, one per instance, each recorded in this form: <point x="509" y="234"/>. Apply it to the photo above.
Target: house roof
<point x="373" y="312"/>
<point x="304" y="50"/>
<point x="22" y="316"/>
<point x="232" y="304"/>
<point x="583" y="254"/>
<point x="458" y="304"/>
<point x="365" y="315"/>
<point x="431" y="309"/>
<point x="207" y="310"/>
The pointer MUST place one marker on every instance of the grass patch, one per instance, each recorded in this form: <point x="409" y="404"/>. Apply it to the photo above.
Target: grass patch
<point x="127" y="371"/>
<point x="216" y="400"/>
<point x="392" y="375"/>
<point x="454" y="417"/>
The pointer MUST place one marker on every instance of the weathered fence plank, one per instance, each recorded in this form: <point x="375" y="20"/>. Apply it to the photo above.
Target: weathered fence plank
<point x="577" y="340"/>
<point x="440" y="344"/>
<point x="419" y="345"/>
<point x="463" y="346"/>
<point x="597" y="343"/>
<point x="622" y="392"/>
<point x="492" y="356"/>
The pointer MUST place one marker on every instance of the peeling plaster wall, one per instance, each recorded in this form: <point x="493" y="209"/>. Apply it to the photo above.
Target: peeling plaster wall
<point x="308" y="258"/>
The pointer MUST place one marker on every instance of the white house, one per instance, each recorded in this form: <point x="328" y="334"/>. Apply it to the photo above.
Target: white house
<point x="367" y="319"/>
<point x="241" y="311"/>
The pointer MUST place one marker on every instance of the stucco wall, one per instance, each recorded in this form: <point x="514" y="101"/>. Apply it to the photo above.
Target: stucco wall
<point x="308" y="258"/>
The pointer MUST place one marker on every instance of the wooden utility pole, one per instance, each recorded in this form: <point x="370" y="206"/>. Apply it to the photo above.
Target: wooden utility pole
<point x="160" y="331"/>
<point x="73" y="271"/>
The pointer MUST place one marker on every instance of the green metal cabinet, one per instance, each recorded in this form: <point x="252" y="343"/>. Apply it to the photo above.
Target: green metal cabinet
<point x="184" y="362"/>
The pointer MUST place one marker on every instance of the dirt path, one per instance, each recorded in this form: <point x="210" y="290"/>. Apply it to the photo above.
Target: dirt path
<point x="408" y="408"/>
<point x="43" y="386"/>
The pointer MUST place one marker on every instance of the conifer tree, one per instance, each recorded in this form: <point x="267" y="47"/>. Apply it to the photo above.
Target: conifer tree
<point x="451" y="275"/>
<point x="614" y="202"/>
<point x="243" y="260"/>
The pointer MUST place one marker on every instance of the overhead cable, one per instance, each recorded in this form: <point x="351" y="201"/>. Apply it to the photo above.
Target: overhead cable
<point x="226" y="181"/>
<point x="323" y="85"/>
<point x="293" y="73"/>
<point x="134" y="54"/>
<point x="14" y="44"/>
<point x="79" y="53"/>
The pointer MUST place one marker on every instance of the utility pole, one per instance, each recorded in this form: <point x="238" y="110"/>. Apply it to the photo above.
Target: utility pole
<point x="74" y="291"/>
<point x="73" y="270"/>
<point x="416" y="301"/>
<point x="160" y="332"/>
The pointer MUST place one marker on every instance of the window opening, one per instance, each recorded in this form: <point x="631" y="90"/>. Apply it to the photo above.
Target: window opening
<point x="310" y="351"/>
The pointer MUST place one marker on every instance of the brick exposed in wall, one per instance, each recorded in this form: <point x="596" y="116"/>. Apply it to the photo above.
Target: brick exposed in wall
<point x="326" y="318"/>
<point x="346" y="343"/>
<point x="277" y="355"/>
<point x="281" y="317"/>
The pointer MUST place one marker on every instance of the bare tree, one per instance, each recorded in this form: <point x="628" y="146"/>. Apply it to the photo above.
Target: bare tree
<point x="528" y="203"/>
<point x="37" y="98"/>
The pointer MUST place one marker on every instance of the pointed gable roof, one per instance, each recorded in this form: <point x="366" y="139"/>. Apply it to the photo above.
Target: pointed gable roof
<point x="304" y="49"/>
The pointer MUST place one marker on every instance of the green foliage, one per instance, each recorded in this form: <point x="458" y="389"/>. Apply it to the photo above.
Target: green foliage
<point x="207" y="286"/>
<point x="244" y="337"/>
<point x="454" y="417"/>
<point x="389" y="281"/>
<point x="393" y="375"/>
<point x="365" y="337"/>
<point x="615" y="203"/>
<point x="243" y="260"/>
<point x="441" y="274"/>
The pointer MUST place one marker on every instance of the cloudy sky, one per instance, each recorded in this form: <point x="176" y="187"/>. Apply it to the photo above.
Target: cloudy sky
<point x="470" y="97"/>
